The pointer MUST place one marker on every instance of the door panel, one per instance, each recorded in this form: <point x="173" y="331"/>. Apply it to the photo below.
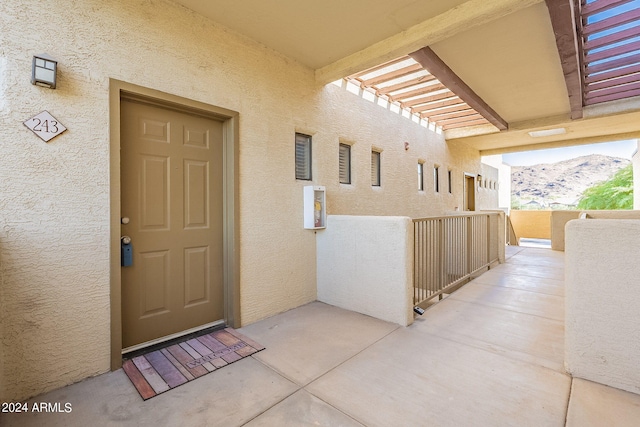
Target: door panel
<point x="154" y="283"/>
<point x="196" y="194"/>
<point x="154" y="201"/>
<point x="196" y="275"/>
<point x="171" y="186"/>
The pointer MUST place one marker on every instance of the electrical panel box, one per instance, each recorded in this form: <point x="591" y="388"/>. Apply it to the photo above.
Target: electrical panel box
<point x="315" y="210"/>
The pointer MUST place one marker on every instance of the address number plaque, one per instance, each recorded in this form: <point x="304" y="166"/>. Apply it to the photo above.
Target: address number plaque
<point x="45" y="126"/>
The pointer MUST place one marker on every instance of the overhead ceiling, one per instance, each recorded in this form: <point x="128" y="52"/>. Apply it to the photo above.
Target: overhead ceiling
<point x="506" y="52"/>
<point x="318" y="33"/>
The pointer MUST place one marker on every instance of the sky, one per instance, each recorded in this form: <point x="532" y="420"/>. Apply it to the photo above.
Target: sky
<point x="624" y="149"/>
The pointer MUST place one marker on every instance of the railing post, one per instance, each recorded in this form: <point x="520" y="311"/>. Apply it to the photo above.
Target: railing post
<point x="469" y="246"/>
<point x="442" y="282"/>
<point x="488" y="260"/>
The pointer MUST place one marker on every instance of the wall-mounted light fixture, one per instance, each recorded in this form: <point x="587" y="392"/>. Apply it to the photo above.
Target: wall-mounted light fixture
<point x="43" y="71"/>
<point x="547" y="132"/>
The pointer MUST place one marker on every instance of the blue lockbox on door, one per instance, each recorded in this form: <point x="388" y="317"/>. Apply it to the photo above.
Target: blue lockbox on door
<point x="127" y="253"/>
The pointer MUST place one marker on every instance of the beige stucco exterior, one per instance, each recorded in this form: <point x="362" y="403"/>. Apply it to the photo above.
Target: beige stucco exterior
<point x="532" y="224"/>
<point x="504" y="179"/>
<point x="602" y="301"/>
<point x="559" y="220"/>
<point x="635" y="160"/>
<point x="55" y="221"/>
<point x="365" y="264"/>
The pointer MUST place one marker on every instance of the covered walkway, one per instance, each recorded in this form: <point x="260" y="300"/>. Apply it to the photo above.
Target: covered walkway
<point x="491" y="354"/>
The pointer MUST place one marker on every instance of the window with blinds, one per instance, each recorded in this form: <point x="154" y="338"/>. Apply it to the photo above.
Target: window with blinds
<point x="420" y="176"/>
<point x="375" y="168"/>
<point x="345" y="164"/>
<point x="303" y="157"/>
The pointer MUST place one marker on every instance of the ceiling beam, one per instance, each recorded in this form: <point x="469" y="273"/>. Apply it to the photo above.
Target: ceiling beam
<point x="600" y="120"/>
<point x="463" y="17"/>
<point x="562" y="143"/>
<point x="429" y="60"/>
<point x="562" y="16"/>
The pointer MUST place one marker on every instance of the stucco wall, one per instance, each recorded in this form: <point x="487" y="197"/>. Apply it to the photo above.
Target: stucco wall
<point x="54" y="209"/>
<point x="531" y="224"/>
<point x="602" y="302"/>
<point x="365" y="264"/>
<point x="487" y="194"/>
<point x="559" y="220"/>
<point x="504" y="179"/>
<point x="636" y="178"/>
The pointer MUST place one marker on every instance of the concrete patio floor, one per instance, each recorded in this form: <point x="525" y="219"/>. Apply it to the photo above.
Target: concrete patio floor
<point x="491" y="354"/>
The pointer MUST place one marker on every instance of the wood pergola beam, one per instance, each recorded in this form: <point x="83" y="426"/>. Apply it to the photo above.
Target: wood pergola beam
<point x="435" y="105"/>
<point x="422" y="91"/>
<point x="611" y="65"/>
<point x="615" y="96"/>
<point x="399" y="86"/>
<point x="429" y="111"/>
<point x="402" y="72"/>
<point x="562" y="16"/>
<point x="614" y="21"/>
<point x="429" y="60"/>
<point x="613" y="51"/>
<point x="601" y="5"/>
<point x="616" y="37"/>
<point x="618" y="72"/>
<point x="612" y="82"/>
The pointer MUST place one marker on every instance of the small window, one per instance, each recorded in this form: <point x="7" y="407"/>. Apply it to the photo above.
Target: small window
<point x="450" y="181"/>
<point x="345" y="163"/>
<point x="375" y="168"/>
<point x="436" y="178"/>
<point x="303" y="157"/>
<point x="479" y="181"/>
<point x="420" y="176"/>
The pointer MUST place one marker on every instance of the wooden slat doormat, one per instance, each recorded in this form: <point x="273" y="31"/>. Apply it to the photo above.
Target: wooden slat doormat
<point x="161" y="370"/>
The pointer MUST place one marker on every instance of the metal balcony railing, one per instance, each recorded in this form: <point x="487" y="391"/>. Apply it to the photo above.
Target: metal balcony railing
<point x="449" y="250"/>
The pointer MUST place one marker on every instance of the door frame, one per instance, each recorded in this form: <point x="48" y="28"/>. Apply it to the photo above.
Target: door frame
<point x="469" y="190"/>
<point x="230" y="194"/>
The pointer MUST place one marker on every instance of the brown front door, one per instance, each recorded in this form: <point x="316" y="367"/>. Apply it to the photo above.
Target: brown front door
<point x="171" y="185"/>
<point x="469" y="193"/>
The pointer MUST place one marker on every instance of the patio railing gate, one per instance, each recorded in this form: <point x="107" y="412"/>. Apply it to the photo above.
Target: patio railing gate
<point x="449" y="250"/>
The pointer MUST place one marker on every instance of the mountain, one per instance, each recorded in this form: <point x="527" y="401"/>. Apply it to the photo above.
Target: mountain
<point x="562" y="182"/>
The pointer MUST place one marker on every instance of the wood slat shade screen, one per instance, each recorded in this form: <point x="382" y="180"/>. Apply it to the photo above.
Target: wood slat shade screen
<point x="406" y="83"/>
<point x="610" y="36"/>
